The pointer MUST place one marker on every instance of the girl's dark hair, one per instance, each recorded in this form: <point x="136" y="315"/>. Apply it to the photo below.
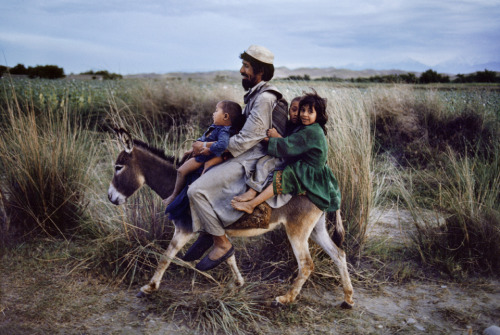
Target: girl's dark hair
<point x="319" y="104"/>
<point x="258" y="67"/>
<point x="235" y="113"/>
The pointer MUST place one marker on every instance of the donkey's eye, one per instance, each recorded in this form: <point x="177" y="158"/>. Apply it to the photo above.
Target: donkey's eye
<point x="118" y="168"/>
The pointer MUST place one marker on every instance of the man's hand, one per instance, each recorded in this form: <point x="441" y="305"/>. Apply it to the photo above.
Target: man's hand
<point x="197" y="147"/>
<point x="205" y="151"/>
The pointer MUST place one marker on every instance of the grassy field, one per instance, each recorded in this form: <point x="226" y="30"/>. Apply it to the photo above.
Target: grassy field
<point x="422" y="149"/>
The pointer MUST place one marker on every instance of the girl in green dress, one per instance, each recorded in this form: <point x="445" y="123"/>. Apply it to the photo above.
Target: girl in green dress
<point x="306" y="152"/>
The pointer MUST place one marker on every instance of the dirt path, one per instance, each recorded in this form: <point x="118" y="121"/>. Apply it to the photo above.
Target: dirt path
<point x="39" y="296"/>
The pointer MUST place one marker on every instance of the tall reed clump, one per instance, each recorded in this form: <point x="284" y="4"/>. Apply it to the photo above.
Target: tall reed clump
<point x="468" y="197"/>
<point x="45" y="161"/>
<point x="350" y="158"/>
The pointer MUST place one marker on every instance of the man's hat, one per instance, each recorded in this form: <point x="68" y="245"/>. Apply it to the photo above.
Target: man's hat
<point x="260" y="53"/>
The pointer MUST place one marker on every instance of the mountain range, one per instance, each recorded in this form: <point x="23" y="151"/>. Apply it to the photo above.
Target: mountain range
<point x="346" y="72"/>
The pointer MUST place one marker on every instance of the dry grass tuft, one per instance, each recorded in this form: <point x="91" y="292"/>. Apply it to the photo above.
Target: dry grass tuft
<point x="46" y="158"/>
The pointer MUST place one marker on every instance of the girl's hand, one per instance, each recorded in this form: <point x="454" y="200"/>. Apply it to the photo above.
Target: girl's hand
<point x="273" y="133"/>
<point x="266" y="139"/>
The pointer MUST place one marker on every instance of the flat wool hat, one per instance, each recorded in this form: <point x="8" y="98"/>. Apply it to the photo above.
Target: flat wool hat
<point x="260" y="53"/>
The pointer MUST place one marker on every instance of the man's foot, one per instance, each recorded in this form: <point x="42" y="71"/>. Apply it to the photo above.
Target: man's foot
<point x="198" y="248"/>
<point x="247" y="196"/>
<point x="219" y="254"/>
<point x="243" y="206"/>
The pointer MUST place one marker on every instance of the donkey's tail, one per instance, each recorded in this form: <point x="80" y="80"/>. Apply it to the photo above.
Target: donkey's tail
<point x="339" y="233"/>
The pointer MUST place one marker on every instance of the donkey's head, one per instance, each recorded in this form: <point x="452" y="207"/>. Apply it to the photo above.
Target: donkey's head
<point x="128" y="176"/>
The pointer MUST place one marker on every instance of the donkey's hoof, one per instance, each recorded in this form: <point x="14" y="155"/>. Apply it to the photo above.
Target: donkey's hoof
<point x="141" y="295"/>
<point x="276" y="304"/>
<point x="284" y="299"/>
<point x="346" y="305"/>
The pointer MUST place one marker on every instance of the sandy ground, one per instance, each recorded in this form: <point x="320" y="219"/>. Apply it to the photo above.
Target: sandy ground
<point x="60" y="300"/>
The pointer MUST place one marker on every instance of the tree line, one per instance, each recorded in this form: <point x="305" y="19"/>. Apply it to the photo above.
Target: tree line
<point x="39" y="71"/>
<point x="427" y="77"/>
<point x="51" y="72"/>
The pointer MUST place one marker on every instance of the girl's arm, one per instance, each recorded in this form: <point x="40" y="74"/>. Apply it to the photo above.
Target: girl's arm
<point x="294" y="145"/>
<point x="273" y="133"/>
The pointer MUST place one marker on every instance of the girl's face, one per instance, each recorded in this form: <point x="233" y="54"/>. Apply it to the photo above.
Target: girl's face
<point x="294" y="112"/>
<point x="308" y="115"/>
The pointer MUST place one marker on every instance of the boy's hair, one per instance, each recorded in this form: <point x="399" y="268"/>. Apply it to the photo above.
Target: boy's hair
<point x="235" y="113"/>
<point x="319" y="104"/>
<point x="257" y="66"/>
<point x="296" y="99"/>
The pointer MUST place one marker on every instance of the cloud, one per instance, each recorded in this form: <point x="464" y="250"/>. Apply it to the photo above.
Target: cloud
<point x="203" y="35"/>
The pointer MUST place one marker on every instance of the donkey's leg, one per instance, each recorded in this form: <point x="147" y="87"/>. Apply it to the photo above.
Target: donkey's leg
<point x="298" y="233"/>
<point x="238" y="278"/>
<point x="179" y="239"/>
<point x="320" y="236"/>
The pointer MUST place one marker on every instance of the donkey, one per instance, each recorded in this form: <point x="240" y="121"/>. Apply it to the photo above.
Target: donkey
<point x="140" y="164"/>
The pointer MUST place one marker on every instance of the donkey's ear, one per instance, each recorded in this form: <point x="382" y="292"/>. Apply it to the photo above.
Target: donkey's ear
<point x="114" y="129"/>
<point x="126" y="139"/>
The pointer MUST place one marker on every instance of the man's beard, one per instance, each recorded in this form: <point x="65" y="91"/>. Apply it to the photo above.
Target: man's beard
<point x="247" y="83"/>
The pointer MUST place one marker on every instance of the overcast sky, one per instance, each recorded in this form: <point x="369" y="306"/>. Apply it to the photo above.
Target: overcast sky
<point x="160" y="36"/>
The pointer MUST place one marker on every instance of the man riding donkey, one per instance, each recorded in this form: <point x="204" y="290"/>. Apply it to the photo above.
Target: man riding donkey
<point x="250" y="171"/>
<point x="249" y="168"/>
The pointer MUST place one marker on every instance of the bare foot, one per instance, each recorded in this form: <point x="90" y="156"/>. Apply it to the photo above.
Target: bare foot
<point x="247" y="196"/>
<point x="168" y="200"/>
<point x="242" y="206"/>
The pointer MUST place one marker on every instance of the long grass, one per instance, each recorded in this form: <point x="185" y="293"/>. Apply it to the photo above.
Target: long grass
<point x="46" y="159"/>
<point x="468" y="197"/>
<point x="444" y="151"/>
<point x="56" y="170"/>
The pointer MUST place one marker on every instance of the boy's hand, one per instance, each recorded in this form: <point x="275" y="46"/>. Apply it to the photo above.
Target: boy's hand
<point x="273" y="133"/>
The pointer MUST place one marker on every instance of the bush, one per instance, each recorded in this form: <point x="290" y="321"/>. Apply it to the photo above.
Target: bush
<point x="46" y="71"/>
<point x="3" y="69"/>
<point x="104" y="74"/>
<point x="416" y="128"/>
<point x="431" y="76"/>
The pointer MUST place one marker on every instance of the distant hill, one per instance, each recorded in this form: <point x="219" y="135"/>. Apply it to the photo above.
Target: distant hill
<point x="279" y="73"/>
<point x="315" y="73"/>
<point x="284" y="72"/>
